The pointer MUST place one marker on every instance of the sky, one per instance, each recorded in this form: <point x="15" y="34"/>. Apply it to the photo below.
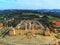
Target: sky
<point x="29" y="4"/>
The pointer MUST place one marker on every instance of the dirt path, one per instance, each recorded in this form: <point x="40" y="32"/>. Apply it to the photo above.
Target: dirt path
<point x="38" y="40"/>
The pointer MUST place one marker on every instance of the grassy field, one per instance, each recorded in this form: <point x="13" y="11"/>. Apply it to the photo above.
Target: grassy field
<point x="53" y="18"/>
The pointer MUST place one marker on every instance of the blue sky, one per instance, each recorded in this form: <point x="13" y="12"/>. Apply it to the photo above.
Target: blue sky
<point x="29" y="4"/>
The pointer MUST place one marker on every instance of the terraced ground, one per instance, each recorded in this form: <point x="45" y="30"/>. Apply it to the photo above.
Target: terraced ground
<point x="23" y="40"/>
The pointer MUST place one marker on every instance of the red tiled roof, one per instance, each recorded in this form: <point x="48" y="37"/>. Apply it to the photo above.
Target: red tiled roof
<point x="57" y="23"/>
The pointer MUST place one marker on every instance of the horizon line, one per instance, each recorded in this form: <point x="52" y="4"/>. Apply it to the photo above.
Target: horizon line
<point x="29" y="9"/>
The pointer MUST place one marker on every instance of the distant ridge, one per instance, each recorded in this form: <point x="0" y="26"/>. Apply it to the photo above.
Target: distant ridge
<point x="53" y="12"/>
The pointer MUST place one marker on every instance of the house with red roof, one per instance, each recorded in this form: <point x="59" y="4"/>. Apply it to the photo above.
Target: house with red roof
<point x="57" y="23"/>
